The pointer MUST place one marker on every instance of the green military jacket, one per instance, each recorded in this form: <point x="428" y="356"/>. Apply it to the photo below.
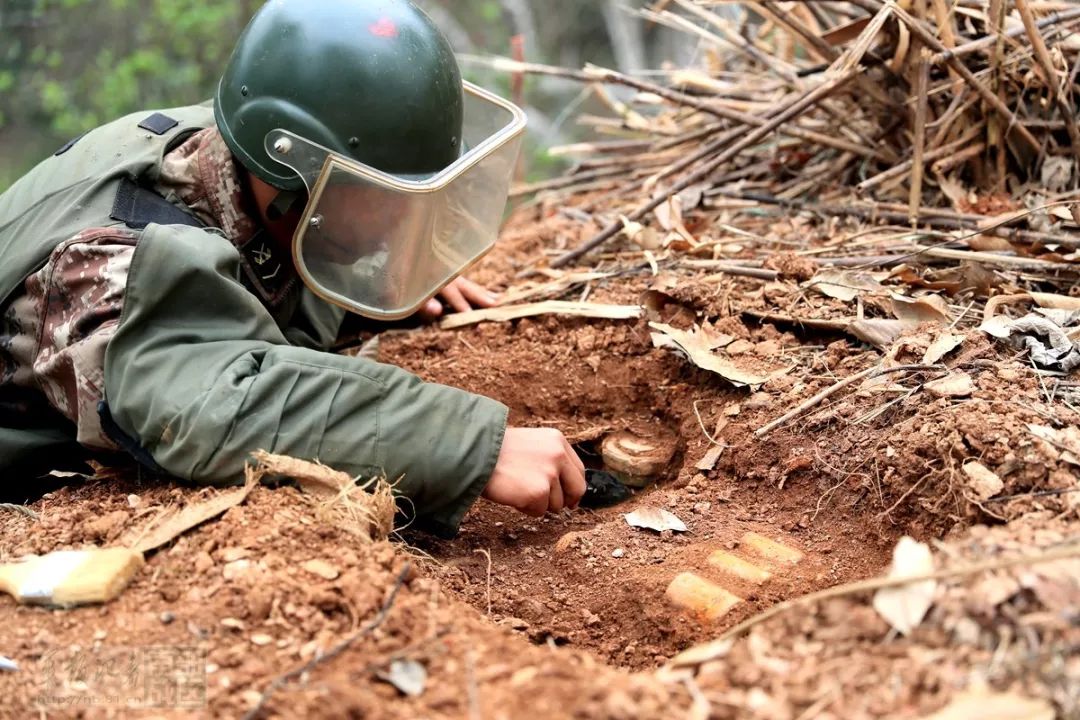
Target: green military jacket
<point x="200" y="373"/>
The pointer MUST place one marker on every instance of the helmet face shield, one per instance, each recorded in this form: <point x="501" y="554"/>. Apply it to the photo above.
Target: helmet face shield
<point x="380" y="245"/>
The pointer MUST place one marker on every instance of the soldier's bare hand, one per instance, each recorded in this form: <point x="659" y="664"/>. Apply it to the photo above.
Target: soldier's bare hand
<point x="461" y="295"/>
<point x="537" y="471"/>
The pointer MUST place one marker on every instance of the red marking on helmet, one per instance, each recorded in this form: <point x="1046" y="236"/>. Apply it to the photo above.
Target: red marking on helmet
<point x="385" y="28"/>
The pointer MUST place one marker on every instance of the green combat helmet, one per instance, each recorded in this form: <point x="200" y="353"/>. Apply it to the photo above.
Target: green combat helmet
<point x="372" y="80"/>
<point x="406" y="167"/>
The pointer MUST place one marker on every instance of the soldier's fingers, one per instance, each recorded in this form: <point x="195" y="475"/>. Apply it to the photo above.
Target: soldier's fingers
<point x="476" y="294"/>
<point x="555" y="497"/>
<point x="572" y="477"/>
<point x="454" y="297"/>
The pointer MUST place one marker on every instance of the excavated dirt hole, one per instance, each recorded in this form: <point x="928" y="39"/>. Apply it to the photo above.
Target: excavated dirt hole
<point x="586" y="578"/>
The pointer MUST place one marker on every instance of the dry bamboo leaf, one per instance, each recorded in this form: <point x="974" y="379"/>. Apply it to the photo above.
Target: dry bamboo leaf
<point x="943" y="344"/>
<point x="1055" y="301"/>
<point x="843" y="285"/>
<point x="172" y="525"/>
<point x="928" y="308"/>
<point x="703" y="653"/>
<point x="879" y="332"/>
<point x="654" y="518"/>
<point x="988" y="705"/>
<point x="695" y="344"/>
<point x="548" y="307"/>
<point x="905" y="606"/>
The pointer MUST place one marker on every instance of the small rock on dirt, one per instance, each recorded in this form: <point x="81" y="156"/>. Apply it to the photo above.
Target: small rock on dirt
<point x="983" y="482"/>
<point x="618" y="553"/>
<point x="321" y="568"/>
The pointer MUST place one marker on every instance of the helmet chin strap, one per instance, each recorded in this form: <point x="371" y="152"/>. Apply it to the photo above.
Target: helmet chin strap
<point x="282" y="203"/>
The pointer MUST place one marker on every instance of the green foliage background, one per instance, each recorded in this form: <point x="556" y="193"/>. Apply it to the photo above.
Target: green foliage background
<point x="69" y="65"/>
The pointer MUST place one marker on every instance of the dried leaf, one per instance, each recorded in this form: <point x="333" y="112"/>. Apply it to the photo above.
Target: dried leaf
<point x="879" y="332"/>
<point x="928" y="308"/>
<point x="983" y="482"/>
<point x="905" y="606"/>
<point x="654" y="518"/>
<point x="695" y="344"/>
<point x="408" y="676"/>
<point x="843" y="285"/>
<point x="943" y="344"/>
<point x="987" y="705"/>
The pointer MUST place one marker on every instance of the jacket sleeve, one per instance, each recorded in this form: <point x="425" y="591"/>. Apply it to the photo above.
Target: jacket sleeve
<point x="201" y="376"/>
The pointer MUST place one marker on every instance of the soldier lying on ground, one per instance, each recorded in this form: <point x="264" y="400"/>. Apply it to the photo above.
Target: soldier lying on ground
<point x="172" y="281"/>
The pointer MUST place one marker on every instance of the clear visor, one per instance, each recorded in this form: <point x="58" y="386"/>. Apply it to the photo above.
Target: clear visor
<point x="380" y="245"/>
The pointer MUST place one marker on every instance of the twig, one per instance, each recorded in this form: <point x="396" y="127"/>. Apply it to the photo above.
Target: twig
<point x="22" y="509"/>
<point x="890" y="582"/>
<point x="334" y="651"/>
<point x="870" y="372"/>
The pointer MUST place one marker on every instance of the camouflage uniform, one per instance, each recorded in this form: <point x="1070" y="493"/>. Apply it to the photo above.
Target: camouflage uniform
<point x="192" y="347"/>
<point x="73" y="304"/>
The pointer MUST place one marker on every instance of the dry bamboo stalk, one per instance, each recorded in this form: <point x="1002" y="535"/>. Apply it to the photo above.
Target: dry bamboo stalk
<point x="783" y="69"/>
<point x="1010" y="261"/>
<point x="928" y="39"/>
<point x="904" y="167"/>
<point x="917" y="160"/>
<point x="808" y="100"/>
<point x="958" y="158"/>
<point x="1042" y="55"/>
<point x="990" y="40"/>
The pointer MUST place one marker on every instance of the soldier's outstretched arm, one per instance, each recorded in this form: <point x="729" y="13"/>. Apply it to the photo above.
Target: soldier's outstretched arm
<point x="200" y="375"/>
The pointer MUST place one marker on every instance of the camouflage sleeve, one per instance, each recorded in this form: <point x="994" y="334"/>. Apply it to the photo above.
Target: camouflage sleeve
<point x="65" y="320"/>
<point x="200" y="374"/>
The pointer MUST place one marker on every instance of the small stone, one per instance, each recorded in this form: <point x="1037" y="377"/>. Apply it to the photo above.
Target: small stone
<point x="618" y="553"/>
<point x="133" y="501"/>
<point x="261" y="639"/>
<point x="321" y="568"/>
<point x="236" y="570"/>
<point x="100" y="635"/>
<point x="232" y="554"/>
<point x="759" y="401"/>
<point x="515" y="623"/>
<point x="233" y="623"/>
<point x="166" y="618"/>
<point x="202" y="562"/>
<point x="984" y="482"/>
<point x="953" y="385"/>
<point x="739" y="347"/>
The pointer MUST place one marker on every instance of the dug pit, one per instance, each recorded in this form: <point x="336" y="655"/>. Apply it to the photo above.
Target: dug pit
<point x="587" y="579"/>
